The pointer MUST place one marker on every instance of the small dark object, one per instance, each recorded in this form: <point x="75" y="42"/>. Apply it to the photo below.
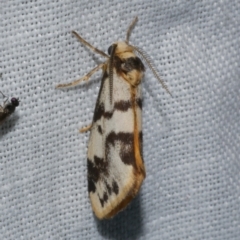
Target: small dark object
<point x="8" y="108"/>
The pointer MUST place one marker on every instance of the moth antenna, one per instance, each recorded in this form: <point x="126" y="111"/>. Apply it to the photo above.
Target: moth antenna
<point x="111" y="71"/>
<point x="147" y="59"/>
<point x="89" y="45"/>
<point x="130" y="28"/>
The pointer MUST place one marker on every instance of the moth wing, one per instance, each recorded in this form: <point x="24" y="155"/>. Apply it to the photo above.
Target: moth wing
<point x="115" y="165"/>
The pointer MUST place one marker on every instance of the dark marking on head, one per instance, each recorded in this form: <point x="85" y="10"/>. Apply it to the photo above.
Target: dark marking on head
<point x="99" y="128"/>
<point x="128" y="64"/>
<point x="115" y="187"/>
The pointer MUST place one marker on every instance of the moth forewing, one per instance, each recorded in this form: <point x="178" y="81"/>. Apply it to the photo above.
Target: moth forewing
<point x="115" y="146"/>
<point x="114" y="159"/>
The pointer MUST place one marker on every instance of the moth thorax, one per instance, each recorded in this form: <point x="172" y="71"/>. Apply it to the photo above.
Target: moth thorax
<point x="122" y="47"/>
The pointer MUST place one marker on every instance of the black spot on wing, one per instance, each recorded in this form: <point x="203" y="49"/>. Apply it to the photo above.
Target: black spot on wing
<point x="91" y="185"/>
<point x="96" y="169"/>
<point x="99" y="108"/>
<point x="125" y="105"/>
<point x="99" y="128"/>
<point x="93" y="171"/>
<point x="119" y="106"/>
<point x="125" y="141"/>
<point x="101" y="165"/>
<point x="101" y="201"/>
<point x="99" y="111"/>
<point x="104" y="199"/>
<point x="108" y="115"/>
<point x="115" y="187"/>
<point x="109" y="189"/>
<point x="127" y="154"/>
<point x="122" y="105"/>
<point x="139" y="102"/>
<point x="93" y="176"/>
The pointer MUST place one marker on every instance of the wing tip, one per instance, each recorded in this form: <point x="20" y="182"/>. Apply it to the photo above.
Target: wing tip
<point x="121" y="201"/>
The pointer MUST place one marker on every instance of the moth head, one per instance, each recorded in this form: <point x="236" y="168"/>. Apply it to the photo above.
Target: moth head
<point x="124" y="51"/>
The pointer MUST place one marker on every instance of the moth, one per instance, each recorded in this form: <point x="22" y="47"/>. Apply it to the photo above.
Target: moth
<point x="8" y="108"/>
<point x="114" y="158"/>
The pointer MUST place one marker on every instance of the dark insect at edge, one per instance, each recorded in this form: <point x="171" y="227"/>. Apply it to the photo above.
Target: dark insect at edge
<point x="8" y="108"/>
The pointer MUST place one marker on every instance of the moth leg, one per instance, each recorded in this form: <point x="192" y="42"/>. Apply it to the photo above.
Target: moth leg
<point x="5" y="102"/>
<point x="85" y="129"/>
<point x="85" y="78"/>
<point x="3" y="94"/>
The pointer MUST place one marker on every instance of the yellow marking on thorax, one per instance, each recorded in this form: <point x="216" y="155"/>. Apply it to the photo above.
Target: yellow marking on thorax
<point x="123" y="47"/>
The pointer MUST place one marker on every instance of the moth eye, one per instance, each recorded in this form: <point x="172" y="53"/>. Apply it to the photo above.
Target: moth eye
<point x="110" y="50"/>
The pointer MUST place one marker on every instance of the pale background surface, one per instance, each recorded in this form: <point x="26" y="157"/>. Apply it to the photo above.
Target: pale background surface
<point x="191" y="141"/>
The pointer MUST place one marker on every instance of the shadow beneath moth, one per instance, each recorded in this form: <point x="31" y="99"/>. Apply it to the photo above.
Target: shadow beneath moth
<point x="114" y="159"/>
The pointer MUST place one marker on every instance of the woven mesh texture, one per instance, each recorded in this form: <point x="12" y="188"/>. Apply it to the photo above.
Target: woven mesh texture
<point x="191" y="141"/>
